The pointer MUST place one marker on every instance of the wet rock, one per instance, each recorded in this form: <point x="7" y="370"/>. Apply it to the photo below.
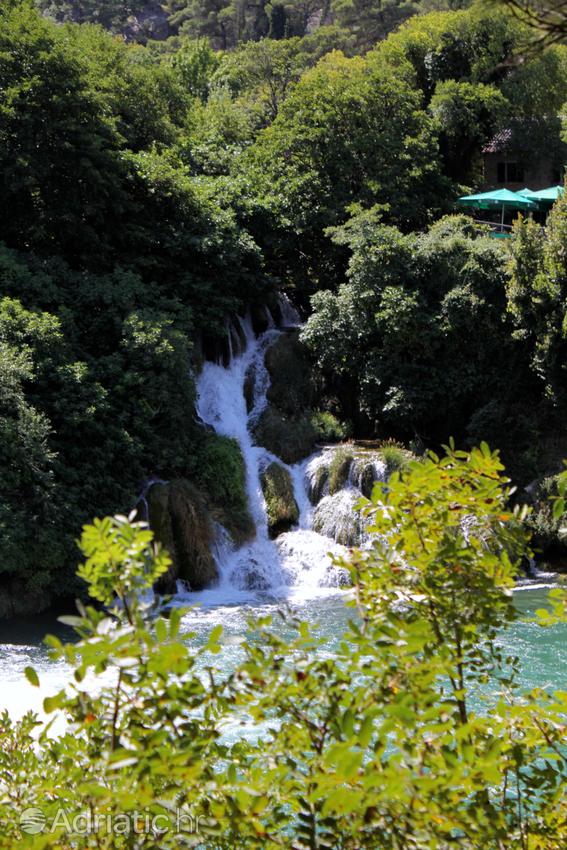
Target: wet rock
<point x="216" y="349"/>
<point x="307" y="556"/>
<point x="336" y="517"/>
<point x="365" y="471"/>
<point x="261" y="318"/>
<point x="151" y="22"/>
<point x="281" y="507"/>
<point x="181" y="523"/>
<point x="291" y="439"/>
<point x="254" y="581"/>
<point x="344" y="466"/>
<point x="249" y="384"/>
<point x="318" y="480"/>
<point x="368" y="478"/>
<point x="339" y="468"/>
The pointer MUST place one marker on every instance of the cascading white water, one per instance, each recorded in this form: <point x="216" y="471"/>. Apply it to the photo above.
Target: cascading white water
<point x="298" y="561"/>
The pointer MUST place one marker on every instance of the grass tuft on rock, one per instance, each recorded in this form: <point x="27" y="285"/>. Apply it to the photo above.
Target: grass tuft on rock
<point x="339" y="468"/>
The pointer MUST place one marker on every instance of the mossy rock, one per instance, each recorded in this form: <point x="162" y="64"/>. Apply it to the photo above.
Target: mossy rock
<point x="289" y="438"/>
<point x="368" y="468"/>
<point x="317" y="484"/>
<point x="161" y="525"/>
<point x="290" y="370"/>
<point x="182" y="524"/>
<point x="348" y="464"/>
<point x="339" y="469"/>
<point x="335" y="517"/>
<point x="281" y="507"/>
<point x="221" y="475"/>
<point x="367" y="480"/>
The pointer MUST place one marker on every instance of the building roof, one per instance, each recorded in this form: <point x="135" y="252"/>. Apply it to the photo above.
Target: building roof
<point x="520" y="134"/>
<point x="499" y="142"/>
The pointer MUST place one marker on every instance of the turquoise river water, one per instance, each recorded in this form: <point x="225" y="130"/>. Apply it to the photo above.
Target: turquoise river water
<point x="541" y="650"/>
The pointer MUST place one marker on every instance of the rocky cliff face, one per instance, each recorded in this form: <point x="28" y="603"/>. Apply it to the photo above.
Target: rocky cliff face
<point x="150" y="22"/>
<point x="136" y="20"/>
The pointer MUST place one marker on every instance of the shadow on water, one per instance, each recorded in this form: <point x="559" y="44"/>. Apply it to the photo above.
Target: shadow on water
<point x="31" y="630"/>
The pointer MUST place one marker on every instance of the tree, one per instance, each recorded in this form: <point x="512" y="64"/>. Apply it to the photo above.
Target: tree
<point x="195" y="62"/>
<point x="261" y="74"/>
<point x="371" y="21"/>
<point x="467" y="115"/>
<point x="347" y="134"/>
<point x="537" y="294"/>
<point x="394" y="332"/>
<point x="28" y="496"/>
<point x="56" y="146"/>
<point x="476" y="45"/>
<point x="546" y="19"/>
<point x="265" y="71"/>
<point x="226" y="23"/>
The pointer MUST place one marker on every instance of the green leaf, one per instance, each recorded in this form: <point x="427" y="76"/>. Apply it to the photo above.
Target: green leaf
<point x="31" y="676"/>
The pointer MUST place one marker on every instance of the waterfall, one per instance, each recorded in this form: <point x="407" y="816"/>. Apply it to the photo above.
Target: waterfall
<point x="289" y="315"/>
<point x="297" y="563"/>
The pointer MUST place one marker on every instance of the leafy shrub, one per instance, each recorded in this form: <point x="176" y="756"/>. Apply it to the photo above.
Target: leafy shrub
<point x="371" y="745"/>
<point x="329" y="428"/>
<point x="546" y="526"/>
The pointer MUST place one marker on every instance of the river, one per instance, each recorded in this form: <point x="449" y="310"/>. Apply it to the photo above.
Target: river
<point x="541" y="650"/>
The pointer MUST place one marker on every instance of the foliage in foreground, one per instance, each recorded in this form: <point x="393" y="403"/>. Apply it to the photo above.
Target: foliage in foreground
<point x="412" y="733"/>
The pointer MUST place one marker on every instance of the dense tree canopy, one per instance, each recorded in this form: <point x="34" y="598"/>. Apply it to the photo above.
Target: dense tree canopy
<point x="347" y="134"/>
<point x="155" y="191"/>
<point x="108" y="284"/>
<point x="421" y="342"/>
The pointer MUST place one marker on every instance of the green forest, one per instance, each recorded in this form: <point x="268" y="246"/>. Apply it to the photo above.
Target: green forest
<point x="153" y="191"/>
<point x="173" y="177"/>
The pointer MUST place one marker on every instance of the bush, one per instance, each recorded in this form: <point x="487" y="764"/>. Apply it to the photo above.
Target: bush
<point x="371" y="743"/>
<point x="549" y="540"/>
<point x="329" y="428"/>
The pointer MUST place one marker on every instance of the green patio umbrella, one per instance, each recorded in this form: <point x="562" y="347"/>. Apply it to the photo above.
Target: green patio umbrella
<point x="549" y="195"/>
<point x="499" y="199"/>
